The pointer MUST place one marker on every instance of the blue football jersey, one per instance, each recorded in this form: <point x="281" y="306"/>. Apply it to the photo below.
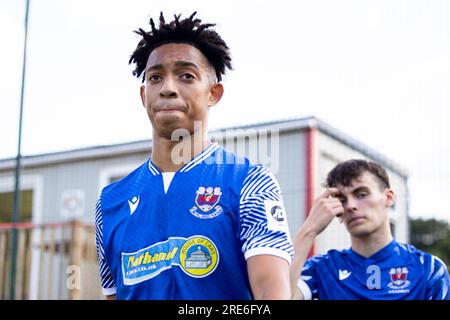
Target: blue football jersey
<point x="396" y="272"/>
<point x="192" y="240"/>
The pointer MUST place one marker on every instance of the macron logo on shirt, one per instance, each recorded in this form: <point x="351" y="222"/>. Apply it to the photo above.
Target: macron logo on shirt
<point x="133" y="203"/>
<point x="344" y="274"/>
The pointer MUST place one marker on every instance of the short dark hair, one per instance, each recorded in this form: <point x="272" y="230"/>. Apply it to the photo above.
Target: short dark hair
<point x="190" y="31"/>
<point x="345" y="172"/>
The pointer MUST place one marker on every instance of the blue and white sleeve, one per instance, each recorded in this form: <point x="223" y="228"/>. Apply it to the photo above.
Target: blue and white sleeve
<point x="107" y="280"/>
<point x="438" y="280"/>
<point x="307" y="283"/>
<point x="264" y="228"/>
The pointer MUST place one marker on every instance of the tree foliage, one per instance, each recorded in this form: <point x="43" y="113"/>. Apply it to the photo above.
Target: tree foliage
<point x="432" y="236"/>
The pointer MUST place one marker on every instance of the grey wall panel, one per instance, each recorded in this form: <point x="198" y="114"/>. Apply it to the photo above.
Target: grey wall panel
<point x="285" y="157"/>
<point x="83" y="176"/>
<point x="292" y="177"/>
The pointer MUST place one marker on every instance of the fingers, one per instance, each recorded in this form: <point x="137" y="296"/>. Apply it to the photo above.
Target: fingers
<point x="336" y="208"/>
<point x="329" y="192"/>
<point x="329" y="202"/>
<point x="331" y="205"/>
<point x="334" y="202"/>
<point x="325" y="208"/>
<point x="338" y="211"/>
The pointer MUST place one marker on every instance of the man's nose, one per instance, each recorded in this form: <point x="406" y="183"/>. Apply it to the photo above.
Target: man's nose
<point x="350" y="205"/>
<point x="168" y="89"/>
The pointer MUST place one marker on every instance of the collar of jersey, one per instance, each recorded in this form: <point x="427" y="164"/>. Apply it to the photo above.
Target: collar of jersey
<point x="191" y="164"/>
<point x="380" y="255"/>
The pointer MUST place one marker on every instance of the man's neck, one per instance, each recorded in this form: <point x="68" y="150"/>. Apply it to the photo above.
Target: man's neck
<point x="371" y="244"/>
<point x="170" y="156"/>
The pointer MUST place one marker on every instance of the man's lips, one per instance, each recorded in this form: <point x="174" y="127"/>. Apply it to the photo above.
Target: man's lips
<point x="355" y="219"/>
<point x="170" y="108"/>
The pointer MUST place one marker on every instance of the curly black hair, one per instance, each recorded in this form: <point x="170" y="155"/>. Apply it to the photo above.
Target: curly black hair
<point x="189" y="31"/>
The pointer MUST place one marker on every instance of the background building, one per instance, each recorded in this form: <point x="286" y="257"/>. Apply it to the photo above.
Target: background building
<point x="58" y="259"/>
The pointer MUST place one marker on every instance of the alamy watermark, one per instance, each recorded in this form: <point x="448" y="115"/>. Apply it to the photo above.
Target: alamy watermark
<point x="260" y="146"/>
<point x="73" y="281"/>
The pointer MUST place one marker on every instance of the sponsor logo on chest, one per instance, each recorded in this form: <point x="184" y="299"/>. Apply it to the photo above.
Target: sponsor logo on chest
<point x="197" y="256"/>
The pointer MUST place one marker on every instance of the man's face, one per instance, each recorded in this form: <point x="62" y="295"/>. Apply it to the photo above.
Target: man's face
<point x="179" y="88"/>
<point x="366" y="205"/>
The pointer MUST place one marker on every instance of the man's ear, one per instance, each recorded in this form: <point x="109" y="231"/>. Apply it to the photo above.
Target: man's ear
<point x="216" y="93"/>
<point x="142" y="93"/>
<point x="390" y="197"/>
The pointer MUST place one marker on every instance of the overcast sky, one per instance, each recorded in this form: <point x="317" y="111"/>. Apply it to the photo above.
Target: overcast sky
<point x="377" y="70"/>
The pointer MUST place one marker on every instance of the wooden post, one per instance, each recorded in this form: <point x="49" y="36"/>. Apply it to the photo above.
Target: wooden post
<point x="28" y="264"/>
<point x="3" y="238"/>
<point x="75" y="258"/>
<point x="90" y="249"/>
<point x="7" y="257"/>
<point x="41" y="261"/>
<point x="62" y="255"/>
<point x="51" y="254"/>
<point x="20" y="264"/>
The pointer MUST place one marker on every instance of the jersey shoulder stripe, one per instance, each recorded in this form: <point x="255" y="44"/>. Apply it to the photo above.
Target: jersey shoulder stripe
<point x="106" y="278"/>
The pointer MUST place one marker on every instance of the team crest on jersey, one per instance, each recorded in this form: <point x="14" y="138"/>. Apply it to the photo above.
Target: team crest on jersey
<point x="399" y="278"/>
<point x="206" y="203"/>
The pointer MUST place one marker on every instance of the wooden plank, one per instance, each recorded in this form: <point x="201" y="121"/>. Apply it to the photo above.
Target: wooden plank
<point x="20" y="264"/>
<point x="3" y="240"/>
<point x="7" y="264"/>
<point x="89" y="247"/>
<point x="76" y="255"/>
<point x="62" y="255"/>
<point x="27" y="274"/>
<point x="41" y="262"/>
<point x="51" y="255"/>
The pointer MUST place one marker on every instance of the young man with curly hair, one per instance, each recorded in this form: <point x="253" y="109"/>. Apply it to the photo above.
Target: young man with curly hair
<point x="194" y="221"/>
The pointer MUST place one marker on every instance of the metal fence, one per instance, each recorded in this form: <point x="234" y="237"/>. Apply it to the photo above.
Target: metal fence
<point x="54" y="261"/>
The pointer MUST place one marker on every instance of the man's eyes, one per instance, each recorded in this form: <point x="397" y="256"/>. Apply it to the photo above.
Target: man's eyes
<point x="358" y="195"/>
<point x="187" y="76"/>
<point x="154" y="77"/>
<point x="361" y="195"/>
<point x="183" y="76"/>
